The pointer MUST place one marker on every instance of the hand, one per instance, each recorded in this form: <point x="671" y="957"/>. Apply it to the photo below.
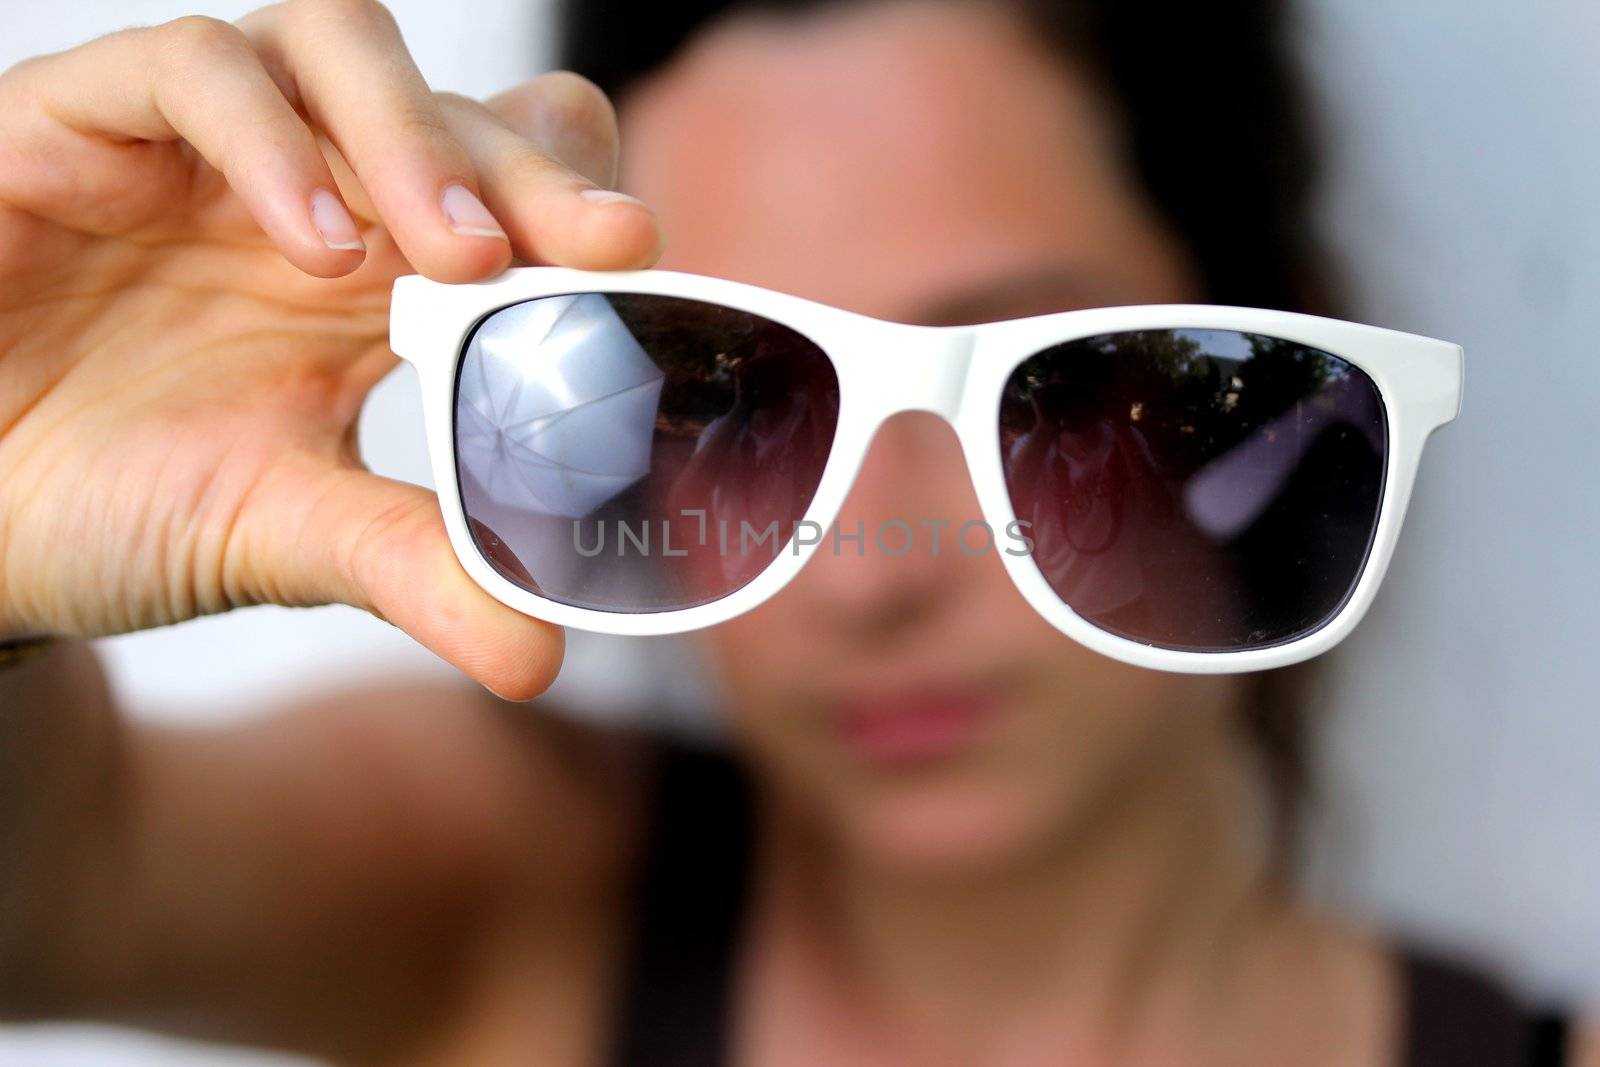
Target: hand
<point x="199" y="225"/>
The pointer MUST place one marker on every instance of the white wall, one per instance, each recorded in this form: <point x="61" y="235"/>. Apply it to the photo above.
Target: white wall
<point x="1463" y="750"/>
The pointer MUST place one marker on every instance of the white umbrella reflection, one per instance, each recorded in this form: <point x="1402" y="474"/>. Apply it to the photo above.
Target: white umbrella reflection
<point x="557" y="406"/>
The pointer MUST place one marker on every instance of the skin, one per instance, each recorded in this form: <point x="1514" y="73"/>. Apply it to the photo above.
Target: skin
<point x="1083" y="883"/>
<point x="1054" y="223"/>
<point x="1034" y="821"/>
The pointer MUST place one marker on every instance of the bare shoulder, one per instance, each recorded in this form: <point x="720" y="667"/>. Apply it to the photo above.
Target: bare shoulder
<point x="524" y="795"/>
<point x="517" y="827"/>
<point x="384" y="838"/>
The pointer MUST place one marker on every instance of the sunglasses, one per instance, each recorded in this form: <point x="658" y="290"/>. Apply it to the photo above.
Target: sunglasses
<point x="1186" y="488"/>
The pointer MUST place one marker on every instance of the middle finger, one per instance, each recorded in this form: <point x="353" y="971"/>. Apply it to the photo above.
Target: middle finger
<point x="349" y="69"/>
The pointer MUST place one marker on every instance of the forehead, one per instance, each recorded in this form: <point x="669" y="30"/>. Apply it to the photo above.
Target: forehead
<point x="885" y="154"/>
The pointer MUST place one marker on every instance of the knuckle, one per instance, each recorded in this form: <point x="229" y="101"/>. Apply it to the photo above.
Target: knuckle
<point x="363" y="14"/>
<point x="426" y="124"/>
<point x="20" y="73"/>
<point x="454" y="109"/>
<point x="369" y="561"/>
<point x="184" y="48"/>
<point x="457" y="102"/>
<point x="197" y="37"/>
<point x="20" y="93"/>
<point x="576" y="101"/>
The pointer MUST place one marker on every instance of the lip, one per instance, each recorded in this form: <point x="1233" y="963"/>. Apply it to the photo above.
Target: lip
<point x="913" y="724"/>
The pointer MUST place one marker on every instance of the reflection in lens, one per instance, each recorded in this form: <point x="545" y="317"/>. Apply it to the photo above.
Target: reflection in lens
<point x="638" y="453"/>
<point x="1202" y="490"/>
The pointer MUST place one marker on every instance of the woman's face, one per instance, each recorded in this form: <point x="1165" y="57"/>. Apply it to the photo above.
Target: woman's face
<point x="924" y="162"/>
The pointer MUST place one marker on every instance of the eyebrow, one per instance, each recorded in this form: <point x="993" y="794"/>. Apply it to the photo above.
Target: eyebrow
<point x="1015" y="294"/>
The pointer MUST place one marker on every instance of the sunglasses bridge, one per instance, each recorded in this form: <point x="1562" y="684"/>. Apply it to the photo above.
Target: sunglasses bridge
<point x="909" y="368"/>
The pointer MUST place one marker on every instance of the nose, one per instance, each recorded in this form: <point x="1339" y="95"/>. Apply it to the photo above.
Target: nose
<point x="894" y="558"/>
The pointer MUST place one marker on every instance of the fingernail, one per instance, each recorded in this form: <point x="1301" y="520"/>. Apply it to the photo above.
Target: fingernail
<point x="468" y="216"/>
<point x="501" y="696"/>
<point x="332" y="220"/>
<point x="608" y="196"/>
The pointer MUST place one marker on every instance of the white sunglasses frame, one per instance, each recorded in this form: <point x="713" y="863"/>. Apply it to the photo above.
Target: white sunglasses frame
<point x="956" y="372"/>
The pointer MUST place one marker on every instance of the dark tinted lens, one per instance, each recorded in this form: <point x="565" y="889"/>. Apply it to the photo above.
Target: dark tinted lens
<point x="1201" y="490"/>
<point x="638" y="453"/>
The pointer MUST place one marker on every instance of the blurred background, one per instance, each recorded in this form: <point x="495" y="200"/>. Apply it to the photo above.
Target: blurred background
<point x="1460" y="734"/>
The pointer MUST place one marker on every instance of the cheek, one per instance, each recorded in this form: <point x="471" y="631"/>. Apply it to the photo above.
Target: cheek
<point x="1095" y="725"/>
<point x="767" y="666"/>
<point x="755" y="654"/>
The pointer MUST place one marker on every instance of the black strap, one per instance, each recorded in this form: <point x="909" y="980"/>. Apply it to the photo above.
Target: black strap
<point x="678" y="992"/>
<point x="1547" y="1040"/>
<point x="1458" y="1017"/>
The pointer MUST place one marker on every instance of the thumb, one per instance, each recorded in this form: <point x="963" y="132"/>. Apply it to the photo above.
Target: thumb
<point x="347" y="536"/>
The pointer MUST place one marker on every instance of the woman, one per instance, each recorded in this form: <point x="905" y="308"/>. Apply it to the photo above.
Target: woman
<point x="952" y="836"/>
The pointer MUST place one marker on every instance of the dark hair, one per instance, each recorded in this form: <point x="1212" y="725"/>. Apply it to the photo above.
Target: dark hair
<point x="1220" y="135"/>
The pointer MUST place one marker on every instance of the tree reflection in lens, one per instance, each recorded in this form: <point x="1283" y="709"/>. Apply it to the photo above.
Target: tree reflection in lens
<point x="1195" y="489"/>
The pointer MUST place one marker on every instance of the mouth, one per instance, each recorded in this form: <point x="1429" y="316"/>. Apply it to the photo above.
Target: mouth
<point x="904" y="726"/>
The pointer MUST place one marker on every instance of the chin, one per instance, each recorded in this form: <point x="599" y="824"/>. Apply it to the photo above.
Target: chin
<point x="946" y="831"/>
